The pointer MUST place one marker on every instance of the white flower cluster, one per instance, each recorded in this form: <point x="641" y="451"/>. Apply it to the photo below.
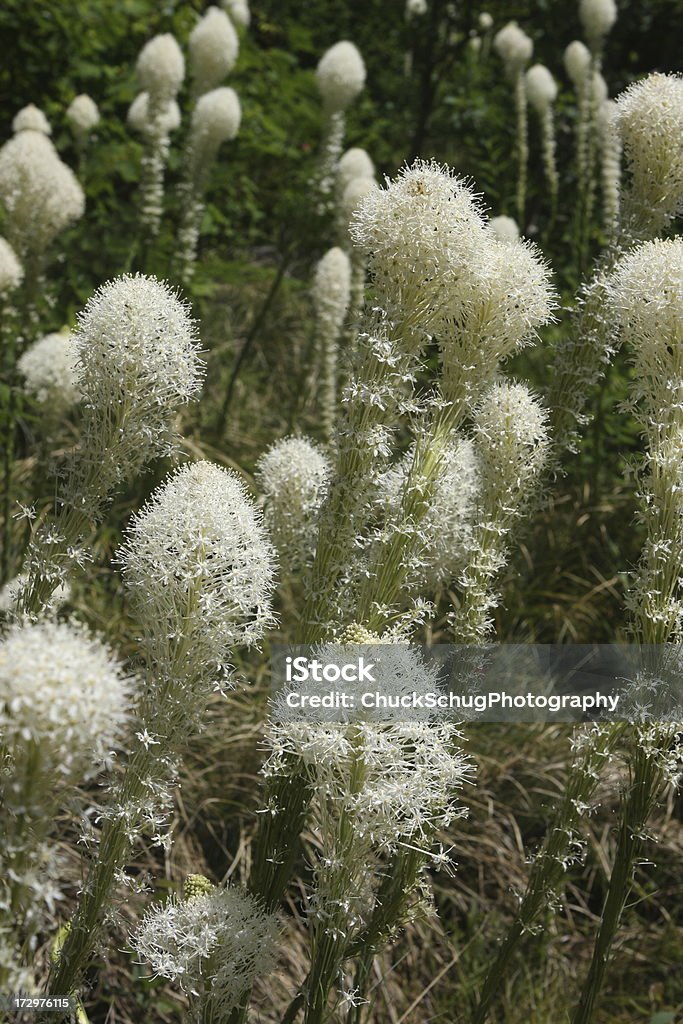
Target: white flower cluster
<point x="597" y="18"/>
<point x="416" y="8"/>
<point x="31" y="118"/>
<point x="139" y="117"/>
<point x="511" y="441"/>
<point x="200" y="570"/>
<point x="138" y="357"/>
<point x="49" y="369"/>
<point x="340" y="76"/>
<point x="62" y="690"/>
<point x="446" y="530"/>
<point x="160" y="68"/>
<point x="436" y="266"/>
<point x="11" y="270"/>
<point x="215" y="119"/>
<point x="649" y="120"/>
<point x="215" y="945"/>
<point x="646" y="299"/>
<point x="504" y="229"/>
<point x="238" y="11"/>
<point x="577" y="61"/>
<point x="40" y="193"/>
<point x="395" y="781"/>
<point x="354" y="163"/>
<point x="331" y="297"/>
<point x="513" y="46"/>
<point x="214" y="47"/>
<point x="293" y="476"/>
<point x="83" y="115"/>
<point x="541" y="88"/>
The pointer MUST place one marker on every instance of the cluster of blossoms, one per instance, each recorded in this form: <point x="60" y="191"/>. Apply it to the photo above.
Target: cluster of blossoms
<point x="40" y="194"/>
<point x="50" y="370"/>
<point x="215" y="119"/>
<point x="11" y="270"/>
<point x="138" y="362"/>
<point x="293" y="477"/>
<point x="340" y="77"/>
<point x="200" y="571"/>
<point x="446" y="533"/>
<point x="238" y="11"/>
<point x="214" y="48"/>
<point x="62" y="690"/>
<point x="649" y="120"/>
<point x="83" y="116"/>
<point x="331" y="298"/>
<point x="597" y="18"/>
<point x="214" y="943"/>
<point x="160" y="69"/>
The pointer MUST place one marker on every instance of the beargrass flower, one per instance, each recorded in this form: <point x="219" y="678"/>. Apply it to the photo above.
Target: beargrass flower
<point x="649" y="119"/>
<point x="513" y="46"/>
<point x="200" y="571"/>
<point x="31" y="118"/>
<point x="340" y="76"/>
<point x="11" y="270"/>
<point x="50" y="372"/>
<point x="597" y="18"/>
<point x="293" y="476"/>
<point x="214" y="48"/>
<point x="160" y="68"/>
<point x="331" y="296"/>
<point x="215" y="119"/>
<point x="504" y="229"/>
<point x="213" y="944"/>
<point x="238" y="11"/>
<point x="577" y="61"/>
<point x="83" y="116"/>
<point x="353" y="164"/>
<point x="41" y="195"/>
<point x="139" y="119"/>
<point x="63" y="692"/>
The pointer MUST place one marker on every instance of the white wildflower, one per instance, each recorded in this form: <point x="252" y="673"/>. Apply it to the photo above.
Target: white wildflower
<point x="41" y="195"/>
<point x="214" y="47"/>
<point x="83" y="115"/>
<point x="49" y="370"/>
<point x="215" y="119"/>
<point x="416" y="8"/>
<point x="161" y="68"/>
<point x="331" y="297"/>
<point x="541" y="88"/>
<point x="577" y="61"/>
<point x="215" y="945"/>
<point x="31" y="118"/>
<point x="600" y="92"/>
<point x="138" y="353"/>
<point x="62" y="690"/>
<point x="597" y="18"/>
<point x="649" y="120"/>
<point x="11" y="270"/>
<point x="504" y="229"/>
<point x="646" y="298"/>
<point x="513" y="46"/>
<point x="421" y="234"/>
<point x="511" y="441"/>
<point x="340" y="76"/>
<point x="354" y="163"/>
<point x="139" y="120"/>
<point x="238" y="11"/>
<point x="485" y="21"/>
<point x="351" y="198"/>
<point x="200" y="569"/>
<point x="446" y="530"/>
<point x="293" y="476"/>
